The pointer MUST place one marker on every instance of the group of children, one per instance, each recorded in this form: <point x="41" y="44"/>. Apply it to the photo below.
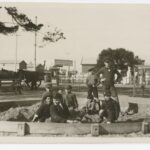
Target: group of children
<point x="101" y="110"/>
<point x="62" y="106"/>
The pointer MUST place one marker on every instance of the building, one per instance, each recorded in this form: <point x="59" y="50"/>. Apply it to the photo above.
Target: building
<point x="87" y="64"/>
<point x="22" y="65"/>
<point x="143" y="74"/>
<point x="11" y="64"/>
<point x="40" y="68"/>
<point x="64" y="65"/>
<point x="30" y="66"/>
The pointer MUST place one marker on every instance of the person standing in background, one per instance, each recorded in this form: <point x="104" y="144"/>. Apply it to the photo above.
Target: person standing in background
<point x="108" y="73"/>
<point x="92" y="83"/>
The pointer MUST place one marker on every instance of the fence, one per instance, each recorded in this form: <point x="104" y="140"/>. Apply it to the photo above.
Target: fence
<point x="73" y="80"/>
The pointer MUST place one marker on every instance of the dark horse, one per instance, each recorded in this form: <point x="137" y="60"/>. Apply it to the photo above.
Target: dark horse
<point x="8" y="75"/>
<point x="15" y="77"/>
<point x="32" y="78"/>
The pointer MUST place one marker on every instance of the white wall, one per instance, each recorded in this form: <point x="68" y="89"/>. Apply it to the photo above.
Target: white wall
<point x="9" y="67"/>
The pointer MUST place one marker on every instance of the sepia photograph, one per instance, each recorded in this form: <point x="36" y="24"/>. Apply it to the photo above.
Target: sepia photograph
<point x="74" y="70"/>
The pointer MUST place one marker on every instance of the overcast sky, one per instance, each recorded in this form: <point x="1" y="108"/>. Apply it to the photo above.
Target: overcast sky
<point x="89" y="28"/>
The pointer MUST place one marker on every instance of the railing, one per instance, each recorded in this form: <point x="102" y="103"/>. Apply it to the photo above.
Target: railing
<point x="72" y="80"/>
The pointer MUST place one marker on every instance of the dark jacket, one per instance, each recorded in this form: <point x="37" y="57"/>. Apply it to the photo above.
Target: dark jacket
<point x="59" y="113"/>
<point x="92" y="107"/>
<point x="43" y="112"/>
<point x="71" y="100"/>
<point x="92" y="80"/>
<point x="109" y="75"/>
<point x="109" y="108"/>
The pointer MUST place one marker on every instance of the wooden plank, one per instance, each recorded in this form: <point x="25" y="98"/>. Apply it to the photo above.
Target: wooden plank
<point x="70" y="129"/>
<point x="60" y="128"/>
<point x="120" y="128"/>
<point x="7" y="126"/>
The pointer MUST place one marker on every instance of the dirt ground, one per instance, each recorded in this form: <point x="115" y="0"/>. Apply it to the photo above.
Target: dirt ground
<point x="143" y="103"/>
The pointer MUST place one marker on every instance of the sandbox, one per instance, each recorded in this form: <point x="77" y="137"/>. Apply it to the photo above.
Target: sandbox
<point x="16" y="116"/>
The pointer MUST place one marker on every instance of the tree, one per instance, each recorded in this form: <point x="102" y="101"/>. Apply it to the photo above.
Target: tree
<point x="7" y="30"/>
<point x="23" y="21"/>
<point x="119" y="58"/>
<point x="54" y="36"/>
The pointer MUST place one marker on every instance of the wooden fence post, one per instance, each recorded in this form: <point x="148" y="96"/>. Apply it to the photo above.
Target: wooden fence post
<point x="95" y="129"/>
<point x="145" y="127"/>
<point x="21" y="131"/>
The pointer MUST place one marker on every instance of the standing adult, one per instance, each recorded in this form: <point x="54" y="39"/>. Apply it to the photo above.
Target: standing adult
<point x="92" y="83"/>
<point x="108" y="81"/>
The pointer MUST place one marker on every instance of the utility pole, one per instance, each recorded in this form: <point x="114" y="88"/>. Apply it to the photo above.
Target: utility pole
<point x="74" y="65"/>
<point x="35" y="44"/>
<point x="134" y="86"/>
<point x="16" y="52"/>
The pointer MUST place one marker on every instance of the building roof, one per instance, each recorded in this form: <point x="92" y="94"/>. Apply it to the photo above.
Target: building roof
<point x="89" y="65"/>
<point x="9" y="61"/>
<point x="30" y="65"/>
<point x="89" y="61"/>
<point x="23" y="62"/>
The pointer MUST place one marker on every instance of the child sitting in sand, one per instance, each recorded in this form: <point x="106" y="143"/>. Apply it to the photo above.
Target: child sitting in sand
<point x="92" y="111"/>
<point x="107" y="110"/>
<point x="43" y="111"/>
<point x="92" y="107"/>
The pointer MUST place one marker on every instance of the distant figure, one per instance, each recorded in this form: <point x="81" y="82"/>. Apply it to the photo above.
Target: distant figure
<point x="43" y="111"/>
<point x="59" y="111"/>
<point x="71" y="102"/>
<point x="47" y="79"/>
<point x="17" y="86"/>
<point x="48" y="92"/>
<point x="92" y="83"/>
<point x="143" y="88"/>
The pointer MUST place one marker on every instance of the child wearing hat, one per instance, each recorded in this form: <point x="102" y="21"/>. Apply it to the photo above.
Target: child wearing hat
<point x="71" y="102"/>
<point x="48" y="92"/>
<point x="92" y="111"/>
<point x="43" y="111"/>
<point x="58" y="110"/>
<point x="92" y="106"/>
<point x="107" y="110"/>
